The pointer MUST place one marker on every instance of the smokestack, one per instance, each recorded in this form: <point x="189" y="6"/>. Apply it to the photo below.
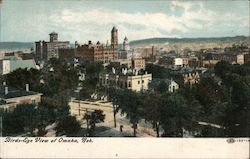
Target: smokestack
<point x="6" y="90"/>
<point x="27" y="87"/>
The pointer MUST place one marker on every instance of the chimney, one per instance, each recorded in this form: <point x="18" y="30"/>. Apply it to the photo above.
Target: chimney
<point x="27" y="87"/>
<point x="6" y="90"/>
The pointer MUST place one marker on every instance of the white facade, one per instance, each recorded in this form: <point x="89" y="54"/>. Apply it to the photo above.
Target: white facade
<point x="4" y="67"/>
<point x="178" y="61"/>
<point x="134" y="82"/>
<point x="173" y="86"/>
<point x="7" y="66"/>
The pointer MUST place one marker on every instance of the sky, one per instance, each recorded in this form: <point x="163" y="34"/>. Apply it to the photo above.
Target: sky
<point x="83" y="20"/>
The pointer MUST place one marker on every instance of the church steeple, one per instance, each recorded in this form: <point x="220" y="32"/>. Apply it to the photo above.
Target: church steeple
<point x="125" y="44"/>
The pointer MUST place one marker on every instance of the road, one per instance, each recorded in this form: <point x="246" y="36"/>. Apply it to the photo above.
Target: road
<point x="107" y="127"/>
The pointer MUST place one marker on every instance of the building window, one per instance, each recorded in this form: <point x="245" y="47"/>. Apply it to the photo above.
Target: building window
<point x="139" y="82"/>
<point x="129" y="84"/>
<point x="142" y="81"/>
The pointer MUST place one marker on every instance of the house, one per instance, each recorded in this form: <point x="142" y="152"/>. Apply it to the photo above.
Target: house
<point x="191" y="78"/>
<point x="127" y="79"/>
<point x="11" y="64"/>
<point x="172" y="86"/>
<point x="11" y="97"/>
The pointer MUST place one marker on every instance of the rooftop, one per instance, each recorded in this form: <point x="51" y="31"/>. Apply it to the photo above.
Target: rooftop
<point x="114" y="29"/>
<point x="53" y="33"/>
<point x="14" y="93"/>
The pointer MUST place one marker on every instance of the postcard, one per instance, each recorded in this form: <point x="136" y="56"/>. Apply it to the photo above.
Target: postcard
<point x="124" y="79"/>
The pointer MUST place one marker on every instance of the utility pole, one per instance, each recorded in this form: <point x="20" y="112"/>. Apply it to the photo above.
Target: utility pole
<point x="1" y="126"/>
<point x="79" y="104"/>
<point x="114" y="112"/>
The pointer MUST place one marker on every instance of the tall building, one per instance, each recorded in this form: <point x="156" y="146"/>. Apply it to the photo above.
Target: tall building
<point x="103" y="53"/>
<point x="46" y="50"/>
<point x="125" y="52"/>
<point x="114" y="37"/>
<point x="125" y="44"/>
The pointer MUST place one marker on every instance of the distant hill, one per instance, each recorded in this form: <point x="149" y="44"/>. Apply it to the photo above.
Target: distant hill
<point x="165" y="41"/>
<point x="16" y="46"/>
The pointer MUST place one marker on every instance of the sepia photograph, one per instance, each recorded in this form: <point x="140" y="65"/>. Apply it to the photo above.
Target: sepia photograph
<point x="133" y="71"/>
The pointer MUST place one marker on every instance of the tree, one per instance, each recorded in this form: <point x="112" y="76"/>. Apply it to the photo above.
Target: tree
<point x="236" y="119"/>
<point x="92" y="119"/>
<point x="222" y="68"/>
<point x="20" y="77"/>
<point x="130" y="103"/>
<point x="21" y="119"/>
<point x="152" y="105"/>
<point x="158" y="85"/>
<point x="177" y="115"/>
<point x="56" y="106"/>
<point x="212" y="97"/>
<point x="93" y="69"/>
<point x="156" y="70"/>
<point x="68" y="126"/>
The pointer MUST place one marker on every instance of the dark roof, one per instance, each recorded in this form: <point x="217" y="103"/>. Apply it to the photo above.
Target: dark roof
<point x="53" y="33"/>
<point x="14" y="93"/>
<point x="114" y="29"/>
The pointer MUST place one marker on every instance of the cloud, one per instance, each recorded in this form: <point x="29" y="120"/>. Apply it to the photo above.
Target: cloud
<point x="192" y="19"/>
<point x="148" y="24"/>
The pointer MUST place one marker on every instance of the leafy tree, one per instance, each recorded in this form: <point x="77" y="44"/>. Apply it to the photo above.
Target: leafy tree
<point x="158" y="85"/>
<point x="152" y="105"/>
<point x="92" y="119"/>
<point x="94" y="68"/>
<point x="130" y="103"/>
<point x="21" y="119"/>
<point x="68" y="126"/>
<point x="222" y="68"/>
<point x="156" y="70"/>
<point x="177" y="115"/>
<point x="236" y="117"/>
<point x="20" y="77"/>
<point x="211" y="96"/>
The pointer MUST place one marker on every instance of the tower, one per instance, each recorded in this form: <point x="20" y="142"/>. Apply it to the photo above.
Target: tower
<point x="53" y="37"/>
<point x="114" y="37"/>
<point x="125" y="44"/>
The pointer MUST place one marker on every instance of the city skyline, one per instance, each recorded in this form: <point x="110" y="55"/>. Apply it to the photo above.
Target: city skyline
<point x="91" y="20"/>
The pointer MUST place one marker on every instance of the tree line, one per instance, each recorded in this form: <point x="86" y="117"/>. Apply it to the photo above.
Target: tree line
<point x="218" y="106"/>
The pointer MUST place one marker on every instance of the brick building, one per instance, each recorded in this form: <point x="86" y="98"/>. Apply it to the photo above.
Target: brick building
<point x="46" y="50"/>
<point x="138" y="63"/>
<point x="11" y="97"/>
<point x="66" y="53"/>
<point x="103" y="53"/>
<point x="147" y="53"/>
